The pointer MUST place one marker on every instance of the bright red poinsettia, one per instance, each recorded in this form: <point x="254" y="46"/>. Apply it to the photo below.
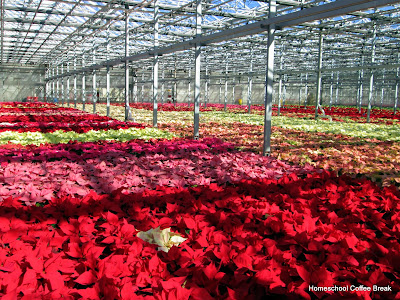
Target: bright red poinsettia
<point x="256" y="227"/>
<point x="254" y="239"/>
<point x="337" y="113"/>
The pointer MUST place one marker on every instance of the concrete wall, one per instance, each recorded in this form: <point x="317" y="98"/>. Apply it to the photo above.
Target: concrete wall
<point x="17" y="83"/>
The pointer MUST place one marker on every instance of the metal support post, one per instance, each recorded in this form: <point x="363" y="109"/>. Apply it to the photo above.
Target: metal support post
<point x="306" y="92"/>
<point x="269" y="82"/>
<point x="220" y="91"/>
<point x="58" y="85"/>
<point x="108" y="100"/>
<point x="206" y="87"/>
<point x="371" y="78"/>
<point x="383" y="89"/>
<point x="337" y="88"/>
<point x="175" y="93"/>
<point x="284" y="91"/>
<point x="280" y="83"/>
<point x="331" y="92"/>
<point x="226" y="84"/>
<point x="62" y="84"/>
<point x="155" y="63"/>
<point x="360" y="99"/>
<point x="94" y="95"/>
<point x="279" y="95"/>
<point x="197" y="79"/>
<point x="53" y="90"/>
<point x="189" y="86"/>
<point x="68" y="83"/>
<point x="319" y="75"/>
<point x="233" y="89"/>
<point x="162" y="83"/>
<point x="135" y="88"/>
<point x="360" y="83"/>
<point x="250" y="81"/>
<point x="128" y="116"/>
<point x="396" y="90"/>
<point x="47" y="88"/>
<point x="142" y="87"/>
<point x="75" y="83"/>
<point x="300" y="94"/>
<point x="83" y="86"/>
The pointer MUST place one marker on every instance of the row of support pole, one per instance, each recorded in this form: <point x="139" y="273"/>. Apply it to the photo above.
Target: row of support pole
<point x="53" y="88"/>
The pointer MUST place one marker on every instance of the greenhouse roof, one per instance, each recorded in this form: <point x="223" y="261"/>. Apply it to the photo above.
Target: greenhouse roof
<point x="92" y="33"/>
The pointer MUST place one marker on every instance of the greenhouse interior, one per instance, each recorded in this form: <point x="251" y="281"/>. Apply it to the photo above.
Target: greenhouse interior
<point x="204" y="149"/>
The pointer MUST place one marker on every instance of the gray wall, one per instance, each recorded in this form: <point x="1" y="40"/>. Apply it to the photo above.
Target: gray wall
<point x="17" y="83"/>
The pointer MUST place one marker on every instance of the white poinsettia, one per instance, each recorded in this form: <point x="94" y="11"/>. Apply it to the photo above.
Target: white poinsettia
<point x="60" y="136"/>
<point x="163" y="238"/>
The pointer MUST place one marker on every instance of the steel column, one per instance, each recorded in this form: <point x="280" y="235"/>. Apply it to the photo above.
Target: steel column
<point x="135" y="86"/>
<point x="300" y="94"/>
<point x="75" y="91"/>
<point x="47" y="88"/>
<point x="337" y="88"/>
<point x="58" y="86"/>
<point x="306" y="92"/>
<point x="83" y="86"/>
<point x="94" y="95"/>
<point x="175" y="93"/>
<point x="197" y="66"/>
<point x="383" y="89"/>
<point x="280" y="84"/>
<point x="371" y="78"/>
<point x="142" y="86"/>
<point x="127" y="108"/>
<point x="269" y="82"/>
<point x="284" y="91"/>
<point x="319" y="74"/>
<point x="2" y="31"/>
<point x="396" y="92"/>
<point x="162" y="83"/>
<point x="189" y="88"/>
<point x="226" y="84"/>
<point x="53" y="90"/>
<point x="220" y="91"/>
<point x="62" y="85"/>
<point x="250" y="81"/>
<point x="360" y="89"/>
<point x="331" y="93"/>
<point x="206" y="87"/>
<point x="279" y="95"/>
<point x="233" y="89"/>
<point x="108" y="100"/>
<point x="68" y="84"/>
<point x="155" y="62"/>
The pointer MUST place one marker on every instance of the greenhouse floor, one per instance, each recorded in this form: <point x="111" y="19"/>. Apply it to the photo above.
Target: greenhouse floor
<point x="98" y="208"/>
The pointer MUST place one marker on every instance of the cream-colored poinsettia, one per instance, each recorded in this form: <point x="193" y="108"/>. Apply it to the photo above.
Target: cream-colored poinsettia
<point x="163" y="238"/>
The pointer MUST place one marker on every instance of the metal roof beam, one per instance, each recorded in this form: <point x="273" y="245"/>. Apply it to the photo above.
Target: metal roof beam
<point x="337" y="8"/>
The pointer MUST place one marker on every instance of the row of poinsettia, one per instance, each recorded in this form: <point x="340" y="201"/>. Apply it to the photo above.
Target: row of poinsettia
<point x="359" y="149"/>
<point x="254" y="239"/>
<point x="41" y="173"/>
<point x="29" y="125"/>
<point x="26" y="105"/>
<point x="338" y="113"/>
<point x="244" y="237"/>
